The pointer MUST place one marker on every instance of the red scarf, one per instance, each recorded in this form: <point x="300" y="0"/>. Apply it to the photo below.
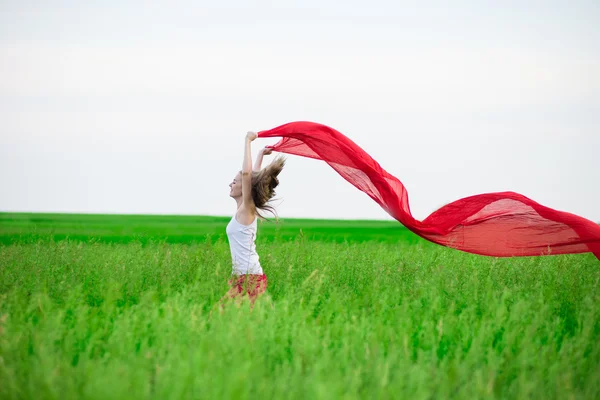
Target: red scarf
<point x="501" y="224"/>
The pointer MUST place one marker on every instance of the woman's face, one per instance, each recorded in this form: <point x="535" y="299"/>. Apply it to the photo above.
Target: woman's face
<point x="236" y="186"/>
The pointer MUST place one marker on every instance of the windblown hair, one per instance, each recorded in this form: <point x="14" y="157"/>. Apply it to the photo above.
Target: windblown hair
<point x="264" y="183"/>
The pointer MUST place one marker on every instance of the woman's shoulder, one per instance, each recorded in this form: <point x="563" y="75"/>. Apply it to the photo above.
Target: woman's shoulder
<point x="244" y="216"/>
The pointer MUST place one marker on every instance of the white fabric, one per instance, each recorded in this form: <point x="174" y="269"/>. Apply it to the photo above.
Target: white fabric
<point x="243" y="249"/>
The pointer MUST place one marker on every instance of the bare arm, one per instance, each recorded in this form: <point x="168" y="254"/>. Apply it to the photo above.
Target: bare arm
<point x="265" y="151"/>
<point x="247" y="173"/>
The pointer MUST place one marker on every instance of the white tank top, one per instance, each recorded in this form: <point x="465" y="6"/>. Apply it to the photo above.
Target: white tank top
<point x="243" y="249"/>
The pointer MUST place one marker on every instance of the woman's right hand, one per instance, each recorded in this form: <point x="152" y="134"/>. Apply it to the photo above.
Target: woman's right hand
<point x="251" y="136"/>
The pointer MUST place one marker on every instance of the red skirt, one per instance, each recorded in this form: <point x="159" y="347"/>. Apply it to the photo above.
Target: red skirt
<point x="251" y="285"/>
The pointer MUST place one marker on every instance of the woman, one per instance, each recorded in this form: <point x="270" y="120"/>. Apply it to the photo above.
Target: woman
<point x="252" y="190"/>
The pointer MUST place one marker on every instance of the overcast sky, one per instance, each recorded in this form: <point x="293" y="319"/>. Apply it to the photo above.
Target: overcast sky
<point x="142" y="107"/>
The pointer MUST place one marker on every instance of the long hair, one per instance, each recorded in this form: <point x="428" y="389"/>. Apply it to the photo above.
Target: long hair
<point x="264" y="183"/>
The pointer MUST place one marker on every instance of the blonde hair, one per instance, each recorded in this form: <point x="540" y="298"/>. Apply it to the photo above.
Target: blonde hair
<point x="264" y="183"/>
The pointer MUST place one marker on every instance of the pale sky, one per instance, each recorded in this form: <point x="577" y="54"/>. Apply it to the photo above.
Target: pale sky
<point x="142" y="107"/>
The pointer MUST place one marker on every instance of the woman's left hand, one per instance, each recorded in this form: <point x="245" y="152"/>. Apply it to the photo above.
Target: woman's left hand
<point x="251" y="136"/>
<point x="266" y="151"/>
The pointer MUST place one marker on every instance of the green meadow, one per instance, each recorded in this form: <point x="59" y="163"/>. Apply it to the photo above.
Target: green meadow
<point x="127" y="307"/>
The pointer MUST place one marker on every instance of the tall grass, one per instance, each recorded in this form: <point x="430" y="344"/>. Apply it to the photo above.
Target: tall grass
<point x="91" y="320"/>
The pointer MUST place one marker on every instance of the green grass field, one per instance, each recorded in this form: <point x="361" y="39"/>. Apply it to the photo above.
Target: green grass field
<point x="97" y="307"/>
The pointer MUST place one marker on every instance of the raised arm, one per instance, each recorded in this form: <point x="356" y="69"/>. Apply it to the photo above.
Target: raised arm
<point x="248" y="202"/>
<point x="265" y="151"/>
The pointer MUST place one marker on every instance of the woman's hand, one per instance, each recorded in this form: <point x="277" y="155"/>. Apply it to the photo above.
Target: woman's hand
<point x="266" y="151"/>
<point x="251" y="136"/>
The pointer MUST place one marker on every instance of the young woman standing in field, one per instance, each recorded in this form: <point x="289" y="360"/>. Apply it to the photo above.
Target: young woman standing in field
<point x="252" y="190"/>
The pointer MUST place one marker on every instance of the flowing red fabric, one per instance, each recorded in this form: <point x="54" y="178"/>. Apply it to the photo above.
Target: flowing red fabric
<point x="503" y="224"/>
